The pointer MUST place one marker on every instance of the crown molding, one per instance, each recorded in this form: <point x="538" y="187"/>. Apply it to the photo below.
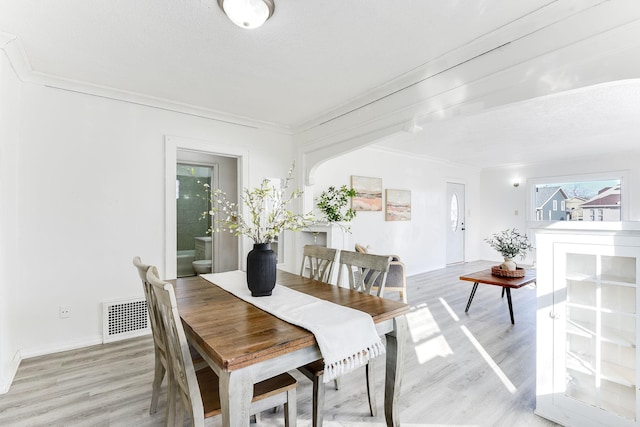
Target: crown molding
<point x="19" y="61"/>
<point x="16" y="55"/>
<point x="6" y="38"/>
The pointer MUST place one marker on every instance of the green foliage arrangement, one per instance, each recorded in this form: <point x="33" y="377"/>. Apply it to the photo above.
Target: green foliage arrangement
<point x="267" y="211"/>
<point x="510" y="243"/>
<point x="333" y="201"/>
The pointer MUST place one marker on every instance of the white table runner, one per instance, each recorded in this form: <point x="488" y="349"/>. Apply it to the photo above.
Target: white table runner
<point x="347" y="338"/>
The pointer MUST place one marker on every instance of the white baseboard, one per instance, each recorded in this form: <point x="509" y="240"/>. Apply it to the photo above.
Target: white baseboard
<point x="28" y="353"/>
<point x="5" y="382"/>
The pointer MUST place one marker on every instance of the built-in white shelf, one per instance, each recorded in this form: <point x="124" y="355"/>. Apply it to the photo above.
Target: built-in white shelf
<point x="587" y="324"/>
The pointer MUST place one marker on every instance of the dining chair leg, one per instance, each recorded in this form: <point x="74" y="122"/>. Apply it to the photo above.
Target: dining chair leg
<point x="370" y="387"/>
<point x="158" y="376"/>
<point x="291" y="409"/>
<point x="179" y="421"/>
<point x="318" y="401"/>
<point x="336" y="383"/>
<point x="170" y="416"/>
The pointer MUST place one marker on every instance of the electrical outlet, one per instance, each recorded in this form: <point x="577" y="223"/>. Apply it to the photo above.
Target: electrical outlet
<point x="65" y="311"/>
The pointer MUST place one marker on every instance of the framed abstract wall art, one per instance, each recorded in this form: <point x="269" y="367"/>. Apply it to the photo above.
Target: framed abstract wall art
<point x="368" y="193"/>
<point x="398" y="206"/>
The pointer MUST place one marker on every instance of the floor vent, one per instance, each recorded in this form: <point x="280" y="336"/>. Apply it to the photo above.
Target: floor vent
<point x="124" y="319"/>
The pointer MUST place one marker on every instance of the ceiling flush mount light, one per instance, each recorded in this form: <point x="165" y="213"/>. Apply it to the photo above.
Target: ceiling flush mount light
<point x="247" y="13"/>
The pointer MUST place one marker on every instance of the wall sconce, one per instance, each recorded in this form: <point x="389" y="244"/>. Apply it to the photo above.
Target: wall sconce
<point x="516" y="183"/>
<point x="247" y="13"/>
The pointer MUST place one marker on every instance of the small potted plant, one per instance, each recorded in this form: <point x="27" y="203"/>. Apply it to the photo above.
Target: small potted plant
<point x="510" y="243"/>
<point x="333" y="202"/>
<point x="267" y="215"/>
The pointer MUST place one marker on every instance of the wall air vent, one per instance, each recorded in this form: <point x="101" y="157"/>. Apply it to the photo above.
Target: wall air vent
<point x="123" y="319"/>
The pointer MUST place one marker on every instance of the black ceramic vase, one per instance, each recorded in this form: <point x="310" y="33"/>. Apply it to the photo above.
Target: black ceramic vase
<point x="261" y="270"/>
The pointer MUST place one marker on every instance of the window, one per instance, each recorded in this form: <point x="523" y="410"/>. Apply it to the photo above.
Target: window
<point x="593" y="197"/>
<point x="454" y="212"/>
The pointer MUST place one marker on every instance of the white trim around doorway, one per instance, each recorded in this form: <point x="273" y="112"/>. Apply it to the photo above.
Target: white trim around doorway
<point x="172" y="145"/>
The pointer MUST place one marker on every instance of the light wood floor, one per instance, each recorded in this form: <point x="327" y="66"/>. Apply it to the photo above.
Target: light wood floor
<point x="472" y="369"/>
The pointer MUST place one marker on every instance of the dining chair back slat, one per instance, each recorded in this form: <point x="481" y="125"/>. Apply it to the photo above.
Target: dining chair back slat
<point x="363" y="270"/>
<point x="318" y="262"/>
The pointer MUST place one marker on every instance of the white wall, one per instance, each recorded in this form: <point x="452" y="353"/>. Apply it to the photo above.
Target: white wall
<point x="421" y="242"/>
<point x="500" y="199"/>
<point x="90" y="189"/>
<point x="9" y="215"/>
<point x="491" y="205"/>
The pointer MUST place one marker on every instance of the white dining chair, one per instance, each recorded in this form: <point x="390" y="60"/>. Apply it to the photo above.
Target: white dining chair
<point x="157" y="332"/>
<point x="196" y="393"/>
<point x="318" y="262"/>
<point x="363" y="270"/>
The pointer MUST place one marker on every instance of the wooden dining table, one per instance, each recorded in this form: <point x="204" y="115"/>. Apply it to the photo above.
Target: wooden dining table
<point x="245" y="345"/>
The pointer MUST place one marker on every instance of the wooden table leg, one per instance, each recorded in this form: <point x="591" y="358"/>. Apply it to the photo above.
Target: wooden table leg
<point x="396" y="342"/>
<point x="473" y="292"/>
<point x="510" y="306"/>
<point x="236" y="392"/>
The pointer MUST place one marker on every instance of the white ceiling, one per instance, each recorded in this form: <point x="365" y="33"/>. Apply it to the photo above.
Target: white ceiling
<point x="316" y="60"/>
<point x="565" y="126"/>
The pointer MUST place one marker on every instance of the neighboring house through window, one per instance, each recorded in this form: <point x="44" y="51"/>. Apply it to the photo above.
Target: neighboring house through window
<point x="546" y="202"/>
<point x="592" y="197"/>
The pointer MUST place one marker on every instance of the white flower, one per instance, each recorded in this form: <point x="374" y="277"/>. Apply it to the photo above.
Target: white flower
<point x="267" y="216"/>
<point x="510" y="243"/>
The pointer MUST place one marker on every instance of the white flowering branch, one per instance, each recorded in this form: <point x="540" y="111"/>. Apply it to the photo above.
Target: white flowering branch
<point x="510" y="243"/>
<point x="267" y="211"/>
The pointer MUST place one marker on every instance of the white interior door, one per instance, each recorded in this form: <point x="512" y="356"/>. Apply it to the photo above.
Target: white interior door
<point x="455" y="223"/>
